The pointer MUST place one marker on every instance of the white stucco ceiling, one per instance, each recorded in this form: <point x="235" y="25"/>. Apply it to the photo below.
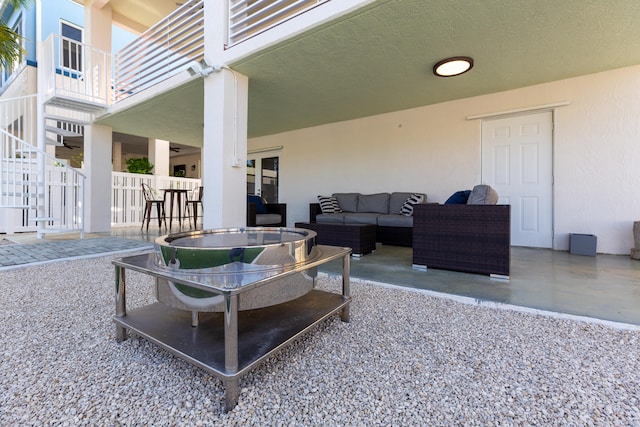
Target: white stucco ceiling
<point x="379" y="59"/>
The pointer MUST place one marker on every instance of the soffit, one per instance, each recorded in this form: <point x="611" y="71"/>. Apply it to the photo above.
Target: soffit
<point x="138" y="15"/>
<point x="379" y="58"/>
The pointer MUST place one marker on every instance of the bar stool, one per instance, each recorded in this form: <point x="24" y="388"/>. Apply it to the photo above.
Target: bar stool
<point x="150" y="202"/>
<point x="192" y="203"/>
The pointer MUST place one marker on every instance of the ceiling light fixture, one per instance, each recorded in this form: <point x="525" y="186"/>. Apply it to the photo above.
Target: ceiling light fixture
<point x="453" y="66"/>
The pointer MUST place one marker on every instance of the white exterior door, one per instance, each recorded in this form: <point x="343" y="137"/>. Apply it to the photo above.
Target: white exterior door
<point x="517" y="161"/>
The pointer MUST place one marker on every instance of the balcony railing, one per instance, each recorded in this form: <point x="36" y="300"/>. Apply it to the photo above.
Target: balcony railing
<point x="250" y="17"/>
<point x="177" y="41"/>
<point x="162" y="51"/>
<point x="76" y="76"/>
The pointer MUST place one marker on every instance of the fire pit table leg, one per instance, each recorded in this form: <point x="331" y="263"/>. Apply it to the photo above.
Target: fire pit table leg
<point x="232" y="391"/>
<point x="346" y="290"/>
<point x="121" y="305"/>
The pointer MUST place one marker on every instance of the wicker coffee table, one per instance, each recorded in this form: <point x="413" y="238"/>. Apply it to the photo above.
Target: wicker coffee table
<point x="361" y="238"/>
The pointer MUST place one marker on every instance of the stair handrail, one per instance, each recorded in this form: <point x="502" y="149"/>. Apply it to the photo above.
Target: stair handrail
<point x="50" y="191"/>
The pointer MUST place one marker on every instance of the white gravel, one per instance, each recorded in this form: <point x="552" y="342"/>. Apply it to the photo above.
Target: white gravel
<point x="406" y="359"/>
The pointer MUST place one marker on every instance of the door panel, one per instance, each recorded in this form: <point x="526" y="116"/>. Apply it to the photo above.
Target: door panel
<point x="517" y="162"/>
<point x="263" y="177"/>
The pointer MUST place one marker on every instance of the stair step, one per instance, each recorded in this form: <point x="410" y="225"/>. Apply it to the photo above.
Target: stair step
<point x="64" y="119"/>
<point x="23" y="195"/>
<point x="60" y="131"/>
<point x="39" y="219"/>
<point x="33" y="150"/>
<point x="15" y="206"/>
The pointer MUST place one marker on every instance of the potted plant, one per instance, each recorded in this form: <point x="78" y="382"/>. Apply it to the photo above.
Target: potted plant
<point x="139" y="165"/>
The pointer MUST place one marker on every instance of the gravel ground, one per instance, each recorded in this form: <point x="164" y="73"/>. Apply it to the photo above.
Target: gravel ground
<point x="406" y="359"/>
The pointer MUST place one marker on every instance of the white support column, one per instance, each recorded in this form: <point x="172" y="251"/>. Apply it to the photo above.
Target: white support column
<point x="116" y="157"/>
<point x="224" y="152"/>
<point x="97" y="151"/>
<point x="159" y="156"/>
<point x="97" y="24"/>
<point x="98" y="139"/>
<point x="224" y="148"/>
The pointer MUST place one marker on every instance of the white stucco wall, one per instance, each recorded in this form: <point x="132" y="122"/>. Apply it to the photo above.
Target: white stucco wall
<point x="436" y="150"/>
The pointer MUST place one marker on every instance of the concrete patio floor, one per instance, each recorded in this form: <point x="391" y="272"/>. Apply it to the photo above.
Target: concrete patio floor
<point x="602" y="288"/>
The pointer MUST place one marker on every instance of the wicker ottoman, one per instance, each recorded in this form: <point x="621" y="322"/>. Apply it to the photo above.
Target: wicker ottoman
<point x="361" y="238"/>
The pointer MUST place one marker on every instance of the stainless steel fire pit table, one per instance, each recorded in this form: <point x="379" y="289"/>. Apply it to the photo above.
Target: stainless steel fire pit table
<point x="230" y="298"/>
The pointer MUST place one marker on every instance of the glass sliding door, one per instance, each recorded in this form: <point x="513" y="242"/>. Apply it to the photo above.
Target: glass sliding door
<point x="262" y="177"/>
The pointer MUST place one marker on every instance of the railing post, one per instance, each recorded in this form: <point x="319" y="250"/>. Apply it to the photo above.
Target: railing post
<point x="44" y="73"/>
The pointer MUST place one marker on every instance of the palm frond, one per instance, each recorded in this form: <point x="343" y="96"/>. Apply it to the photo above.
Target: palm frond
<point x="10" y="42"/>
<point x="10" y="47"/>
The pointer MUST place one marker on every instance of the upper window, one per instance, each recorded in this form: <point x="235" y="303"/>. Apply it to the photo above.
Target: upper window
<point x="10" y="68"/>
<point x="71" y="46"/>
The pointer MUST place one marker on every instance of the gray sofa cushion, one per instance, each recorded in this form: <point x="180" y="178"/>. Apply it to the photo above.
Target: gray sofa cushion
<point x="395" y="220"/>
<point x="361" y="218"/>
<point x="483" y="195"/>
<point x="374" y="203"/>
<point x="333" y="218"/>
<point x="396" y="200"/>
<point x="348" y="201"/>
<point x="264" y="219"/>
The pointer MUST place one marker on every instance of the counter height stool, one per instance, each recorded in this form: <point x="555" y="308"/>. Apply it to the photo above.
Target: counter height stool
<point x="193" y="201"/>
<point x="151" y="201"/>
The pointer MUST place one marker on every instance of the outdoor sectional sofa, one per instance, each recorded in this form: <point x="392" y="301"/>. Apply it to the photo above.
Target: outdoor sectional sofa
<point x="469" y="233"/>
<point x="462" y="237"/>
<point x="384" y="210"/>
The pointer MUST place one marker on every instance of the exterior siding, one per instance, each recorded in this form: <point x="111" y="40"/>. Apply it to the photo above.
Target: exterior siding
<point x="436" y="150"/>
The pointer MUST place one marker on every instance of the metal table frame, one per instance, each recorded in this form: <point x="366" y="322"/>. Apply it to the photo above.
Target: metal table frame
<point x="218" y="345"/>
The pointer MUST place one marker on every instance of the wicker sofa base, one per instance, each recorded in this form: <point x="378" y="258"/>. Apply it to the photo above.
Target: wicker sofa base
<point x="361" y="238"/>
<point x="469" y="238"/>
<point x="395" y="236"/>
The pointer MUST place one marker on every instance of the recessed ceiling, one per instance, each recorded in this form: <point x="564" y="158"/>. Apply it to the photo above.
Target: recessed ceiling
<point x="379" y="59"/>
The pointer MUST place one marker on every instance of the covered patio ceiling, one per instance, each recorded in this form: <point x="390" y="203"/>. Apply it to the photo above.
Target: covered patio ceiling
<point x="379" y="59"/>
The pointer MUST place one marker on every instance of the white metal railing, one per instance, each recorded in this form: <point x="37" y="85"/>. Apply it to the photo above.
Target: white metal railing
<point x="177" y="41"/>
<point x="162" y="51"/>
<point x="47" y="192"/>
<point x="77" y="71"/>
<point x="250" y="17"/>
<point x="127" y="202"/>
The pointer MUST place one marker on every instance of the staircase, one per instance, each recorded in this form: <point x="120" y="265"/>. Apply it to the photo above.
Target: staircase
<point x="37" y="191"/>
<point x="42" y="192"/>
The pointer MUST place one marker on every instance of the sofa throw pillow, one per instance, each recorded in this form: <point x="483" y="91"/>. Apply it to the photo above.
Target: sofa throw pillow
<point x="458" y="198"/>
<point x="329" y="204"/>
<point x="483" y="195"/>
<point x="407" y="208"/>
<point x="260" y="207"/>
